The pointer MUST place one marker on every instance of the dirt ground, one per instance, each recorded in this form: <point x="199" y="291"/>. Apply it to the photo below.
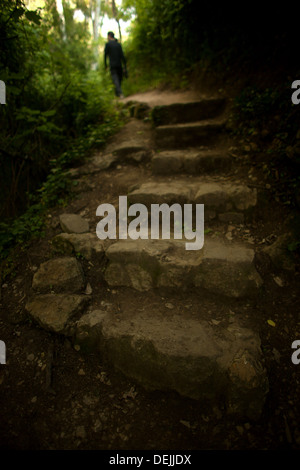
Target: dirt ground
<point x="54" y="397"/>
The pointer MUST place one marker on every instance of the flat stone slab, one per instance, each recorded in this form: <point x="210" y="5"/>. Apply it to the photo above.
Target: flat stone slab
<point x="187" y="112"/>
<point x="191" y="162"/>
<point x="59" y="275"/>
<point x="132" y="143"/>
<point x="218" y="364"/>
<point x="174" y="136"/>
<point x="54" y="312"/>
<point x="226" y="196"/>
<point x="159" y="193"/>
<point x="87" y="245"/>
<point x="220" y="268"/>
<point x="131" y="151"/>
<point x="218" y="198"/>
<point x="103" y="162"/>
<point x="95" y="164"/>
<point x="73" y="223"/>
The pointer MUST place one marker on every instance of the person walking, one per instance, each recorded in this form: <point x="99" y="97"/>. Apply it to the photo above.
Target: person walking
<point x="113" y="50"/>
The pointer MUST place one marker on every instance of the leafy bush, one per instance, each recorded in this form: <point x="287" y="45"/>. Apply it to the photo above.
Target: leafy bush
<point x="53" y="97"/>
<point x="267" y="109"/>
<point x="170" y="36"/>
<point x="58" y="109"/>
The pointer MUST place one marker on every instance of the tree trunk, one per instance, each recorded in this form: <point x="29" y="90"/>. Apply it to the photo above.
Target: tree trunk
<point x="96" y="5"/>
<point x="115" y="13"/>
<point x="96" y="19"/>
<point x="60" y="11"/>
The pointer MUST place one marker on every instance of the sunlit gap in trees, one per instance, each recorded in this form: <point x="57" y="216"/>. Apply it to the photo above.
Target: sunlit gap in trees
<point x="106" y="23"/>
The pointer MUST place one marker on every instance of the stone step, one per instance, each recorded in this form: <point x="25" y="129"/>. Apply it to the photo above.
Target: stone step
<point x="177" y="113"/>
<point x="218" y="198"/>
<point x="58" y="275"/>
<point x="176" y="136"/>
<point x="126" y="152"/>
<point x="133" y="144"/>
<point x="55" y="312"/>
<point x="86" y="245"/>
<point x="190" y="161"/>
<point x="219" y="365"/>
<point x="221" y="268"/>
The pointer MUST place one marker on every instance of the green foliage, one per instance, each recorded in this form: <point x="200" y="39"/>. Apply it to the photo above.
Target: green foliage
<point x="58" y="109"/>
<point x="54" y="191"/>
<point x="267" y="111"/>
<point x="170" y="36"/>
<point x="53" y="96"/>
<point x="159" y="44"/>
<point x="26" y="226"/>
<point x="267" y="118"/>
<point x="257" y="105"/>
<point x="293" y="246"/>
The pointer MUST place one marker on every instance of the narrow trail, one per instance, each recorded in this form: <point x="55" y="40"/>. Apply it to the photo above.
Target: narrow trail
<point x="141" y="343"/>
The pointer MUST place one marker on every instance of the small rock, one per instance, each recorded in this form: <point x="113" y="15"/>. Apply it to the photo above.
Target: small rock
<point x="88" y="289"/>
<point x="185" y="423"/>
<point x="59" y="275"/>
<point x="72" y="223"/>
<point x="98" y="426"/>
<point x="81" y="372"/>
<point x="54" y="312"/>
<point x="278" y="281"/>
<point x="30" y="357"/>
<point x="276" y="354"/>
<point x="169" y="305"/>
<point x="89" y="400"/>
<point x="105" y="304"/>
<point x="80" y="432"/>
<point x="131" y="394"/>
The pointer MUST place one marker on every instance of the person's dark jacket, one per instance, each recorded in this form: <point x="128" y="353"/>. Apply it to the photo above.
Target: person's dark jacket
<point x="114" y="51"/>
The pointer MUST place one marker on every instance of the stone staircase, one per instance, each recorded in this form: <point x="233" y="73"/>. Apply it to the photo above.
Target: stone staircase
<point x="215" y="361"/>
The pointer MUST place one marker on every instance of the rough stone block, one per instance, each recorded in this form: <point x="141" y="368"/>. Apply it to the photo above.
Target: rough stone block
<point x="54" y="312"/>
<point x="218" y="365"/>
<point x="59" y="275"/>
<point x="73" y="223"/>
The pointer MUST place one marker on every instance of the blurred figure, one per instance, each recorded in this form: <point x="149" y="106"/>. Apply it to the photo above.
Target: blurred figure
<point x="113" y="50"/>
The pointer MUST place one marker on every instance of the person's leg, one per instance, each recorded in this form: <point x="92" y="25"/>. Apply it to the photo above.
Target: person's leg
<point x="116" y="81"/>
<point x="120" y="74"/>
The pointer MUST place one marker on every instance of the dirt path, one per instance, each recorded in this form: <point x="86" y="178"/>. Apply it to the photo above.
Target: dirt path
<point x="54" y="396"/>
<point x="158" y="98"/>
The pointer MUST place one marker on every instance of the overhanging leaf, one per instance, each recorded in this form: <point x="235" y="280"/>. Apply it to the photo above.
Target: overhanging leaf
<point x="32" y="15"/>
